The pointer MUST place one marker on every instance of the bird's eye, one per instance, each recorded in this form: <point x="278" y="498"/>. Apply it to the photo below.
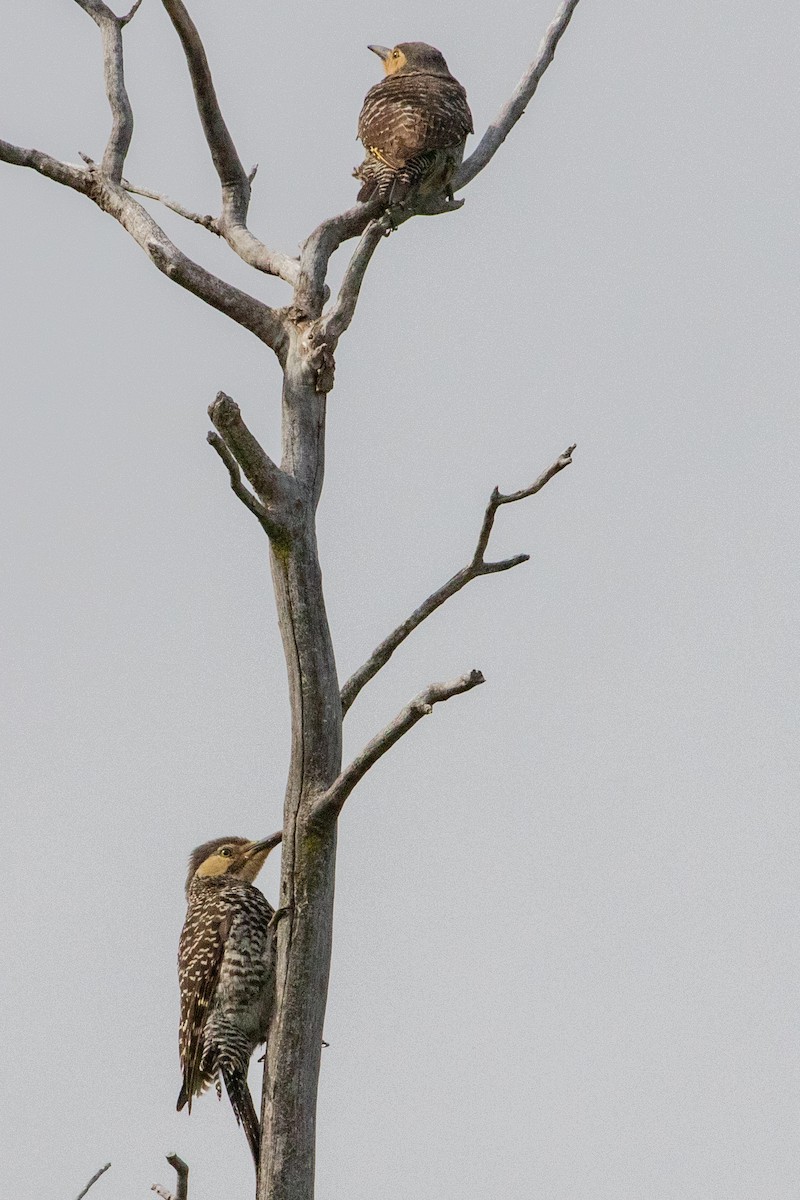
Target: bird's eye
<point x="395" y="54"/>
<point x="226" y="852"/>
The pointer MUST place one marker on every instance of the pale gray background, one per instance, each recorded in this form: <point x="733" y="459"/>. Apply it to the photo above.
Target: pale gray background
<point x="566" y="947"/>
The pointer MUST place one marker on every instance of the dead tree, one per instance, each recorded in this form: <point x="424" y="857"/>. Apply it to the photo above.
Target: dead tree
<point x="284" y="499"/>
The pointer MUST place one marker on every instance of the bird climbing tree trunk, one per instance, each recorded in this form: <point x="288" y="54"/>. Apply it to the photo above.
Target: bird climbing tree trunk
<point x="284" y="500"/>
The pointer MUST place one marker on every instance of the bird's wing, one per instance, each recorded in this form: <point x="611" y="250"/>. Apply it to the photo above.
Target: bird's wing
<point x="407" y="115"/>
<point x="200" y="954"/>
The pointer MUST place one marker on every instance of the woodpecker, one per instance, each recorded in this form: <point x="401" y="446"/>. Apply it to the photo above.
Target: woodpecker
<point x="226" y="970"/>
<point x="414" y="124"/>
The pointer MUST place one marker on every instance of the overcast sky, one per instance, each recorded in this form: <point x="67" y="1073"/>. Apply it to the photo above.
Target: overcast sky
<point x="566" y="947"/>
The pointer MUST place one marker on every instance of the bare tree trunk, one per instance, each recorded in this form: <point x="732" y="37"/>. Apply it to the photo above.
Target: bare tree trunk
<point x="291" y="1070"/>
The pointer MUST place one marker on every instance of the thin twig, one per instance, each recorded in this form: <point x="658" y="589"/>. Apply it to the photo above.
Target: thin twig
<point x="475" y="568"/>
<point x="497" y="498"/>
<point x="130" y="14"/>
<point x="207" y="221"/>
<point x="111" y="27"/>
<point x="93" y="1181"/>
<point x="511" y="112"/>
<point x="331" y="802"/>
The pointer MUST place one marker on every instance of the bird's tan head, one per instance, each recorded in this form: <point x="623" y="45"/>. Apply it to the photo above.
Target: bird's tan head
<point x="411" y="57"/>
<point x="230" y="856"/>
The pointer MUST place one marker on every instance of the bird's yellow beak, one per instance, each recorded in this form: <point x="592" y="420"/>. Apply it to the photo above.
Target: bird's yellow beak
<point x="382" y="52"/>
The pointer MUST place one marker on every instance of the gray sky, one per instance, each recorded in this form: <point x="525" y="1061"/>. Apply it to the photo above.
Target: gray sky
<point x="566" y="949"/>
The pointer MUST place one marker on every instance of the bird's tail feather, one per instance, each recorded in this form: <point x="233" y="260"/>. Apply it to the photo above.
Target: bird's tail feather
<point x="244" y="1109"/>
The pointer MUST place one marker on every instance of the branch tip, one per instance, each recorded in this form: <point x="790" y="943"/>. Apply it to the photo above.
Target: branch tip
<point x="224" y="410"/>
<point x="93" y="1180"/>
<point x="474" y="569"/>
<point x="182" y="1171"/>
<point x="130" y="15"/>
<point x="329" y="805"/>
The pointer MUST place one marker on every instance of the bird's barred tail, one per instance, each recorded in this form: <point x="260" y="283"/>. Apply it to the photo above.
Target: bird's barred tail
<point x="244" y="1109"/>
<point x="393" y="184"/>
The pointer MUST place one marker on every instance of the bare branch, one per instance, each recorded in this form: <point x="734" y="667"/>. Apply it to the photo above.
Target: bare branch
<point x="497" y="498"/>
<point x="317" y="250"/>
<point x="130" y="14"/>
<point x="237" y="486"/>
<point x="182" y="1189"/>
<point x="93" y="1181"/>
<point x="207" y="221"/>
<point x="68" y="174"/>
<point x="511" y="112"/>
<point x="331" y="802"/>
<point x="335" y="322"/>
<point x="477" y="567"/>
<point x="275" y="490"/>
<point x="182" y="1171"/>
<point x="110" y="27"/>
<point x="228" y="165"/>
<point x="267" y="325"/>
<point x="234" y="180"/>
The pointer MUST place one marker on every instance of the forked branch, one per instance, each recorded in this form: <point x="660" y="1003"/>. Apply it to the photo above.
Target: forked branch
<point x="476" y="567"/>
<point x="182" y="1187"/>
<point x="237" y="447"/>
<point x="331" y="802"/>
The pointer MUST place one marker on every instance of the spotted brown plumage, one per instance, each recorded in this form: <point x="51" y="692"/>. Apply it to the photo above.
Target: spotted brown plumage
<point x="413" y="125"/>
<point x="226" y="970"/>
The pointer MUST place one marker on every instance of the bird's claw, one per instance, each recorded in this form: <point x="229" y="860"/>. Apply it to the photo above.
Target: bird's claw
<point x="278" y="915"/>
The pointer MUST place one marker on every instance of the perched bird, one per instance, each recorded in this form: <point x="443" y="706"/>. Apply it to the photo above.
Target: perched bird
<point x="226" y="969"/>
<point x="414" y="124"/>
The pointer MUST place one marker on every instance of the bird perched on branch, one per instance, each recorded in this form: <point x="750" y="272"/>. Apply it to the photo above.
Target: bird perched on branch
<point x="226" y="969"/>
<point x="414" y="124"/>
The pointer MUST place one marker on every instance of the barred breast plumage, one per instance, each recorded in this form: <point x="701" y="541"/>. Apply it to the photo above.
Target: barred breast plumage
<point x="226" y="969"/>
<point x="413" y="125"/>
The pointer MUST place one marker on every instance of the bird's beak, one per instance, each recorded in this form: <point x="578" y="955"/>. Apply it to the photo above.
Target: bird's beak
<point x="382" y="52"/>
<point x="263" y="847"/>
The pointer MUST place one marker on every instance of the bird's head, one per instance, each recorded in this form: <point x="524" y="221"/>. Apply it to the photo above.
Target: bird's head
<point x="230" y="856"/>
<point x="411" y="57"/>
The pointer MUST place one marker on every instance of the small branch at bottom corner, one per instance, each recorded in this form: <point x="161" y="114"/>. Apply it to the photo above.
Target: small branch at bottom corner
<point x="93" y="1181"/>
<point x="182" y="1187"/>
<point x="331" y="802"/>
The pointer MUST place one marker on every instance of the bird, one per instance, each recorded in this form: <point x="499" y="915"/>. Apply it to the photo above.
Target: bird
<point x="226" y="971"/>
<point x="413" y="125"/>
